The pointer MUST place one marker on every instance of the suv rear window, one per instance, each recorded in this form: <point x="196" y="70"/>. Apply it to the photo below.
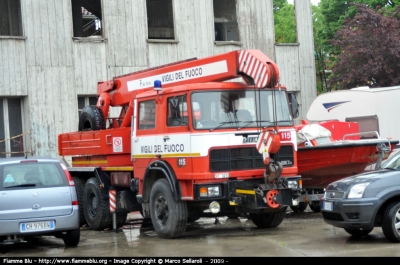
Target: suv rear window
<point x="31" y="175"/>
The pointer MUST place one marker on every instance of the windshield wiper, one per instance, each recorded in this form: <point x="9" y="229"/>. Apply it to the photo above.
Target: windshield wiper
<point x="180" y="121"/>
<point x="247" y="123"/>
<point x="222" y="123"/>
<point x="22" y="185"/>
<point x="250" y="122"/>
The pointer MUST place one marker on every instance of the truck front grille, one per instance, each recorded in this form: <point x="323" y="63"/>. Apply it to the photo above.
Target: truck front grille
<point x="245" y="158"/>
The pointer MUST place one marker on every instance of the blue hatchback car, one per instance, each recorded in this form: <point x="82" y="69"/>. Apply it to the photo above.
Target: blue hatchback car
<point x="361" y="202"/>
<point x="37" y="197"/>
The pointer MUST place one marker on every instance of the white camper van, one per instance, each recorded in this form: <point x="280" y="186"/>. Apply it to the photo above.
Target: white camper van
<point x="375" y="109"/>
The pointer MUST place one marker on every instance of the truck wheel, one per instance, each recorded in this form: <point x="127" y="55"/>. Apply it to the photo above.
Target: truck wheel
<point x="169" y="217"/>
<point x="315" y="206"/>
<point x="299" y="208"/>
<point x="91" y="119"/>
<point x="357" y="233"/>
<point x="96" y="207"/>
<point x="391" y="222"/>
<point x="268" y="220"/>
<point x="71" y="238"/>
<point x="79" y="186"/>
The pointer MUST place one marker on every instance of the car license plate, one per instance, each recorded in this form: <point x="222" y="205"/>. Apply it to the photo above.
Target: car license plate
<point x="37" y="226"/>
<point x="327" y="206"/>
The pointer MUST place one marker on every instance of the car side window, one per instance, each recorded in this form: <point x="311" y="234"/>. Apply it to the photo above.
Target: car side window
<point x="147" y="115"/>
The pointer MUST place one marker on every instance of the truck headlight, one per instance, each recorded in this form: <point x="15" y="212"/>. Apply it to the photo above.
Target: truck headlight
<point x="357" y="190"/>
<point x="292" y="184"/>
<point x="210" y="191"/>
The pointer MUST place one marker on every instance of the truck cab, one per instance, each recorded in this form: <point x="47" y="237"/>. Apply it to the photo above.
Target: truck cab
<point x="188" y="145"/>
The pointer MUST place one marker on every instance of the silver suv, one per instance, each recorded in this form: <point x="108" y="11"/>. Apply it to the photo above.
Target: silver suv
<point x="37" y="197"/>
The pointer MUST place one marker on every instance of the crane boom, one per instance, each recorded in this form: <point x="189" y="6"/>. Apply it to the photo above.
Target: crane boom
<point x="252" y="65"/>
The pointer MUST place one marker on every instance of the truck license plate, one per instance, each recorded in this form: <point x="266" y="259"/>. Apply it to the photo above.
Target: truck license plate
<point x="327" y="206"/>
<point x="37" y="226"/>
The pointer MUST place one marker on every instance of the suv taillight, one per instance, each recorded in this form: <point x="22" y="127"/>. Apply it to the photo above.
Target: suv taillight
<point x="69" y="177"/>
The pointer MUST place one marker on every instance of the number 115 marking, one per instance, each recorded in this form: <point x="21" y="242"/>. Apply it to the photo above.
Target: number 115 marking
<point x="286" y="136"/>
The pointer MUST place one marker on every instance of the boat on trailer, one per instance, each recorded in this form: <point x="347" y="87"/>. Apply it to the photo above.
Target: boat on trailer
<point x="332" y="150"/>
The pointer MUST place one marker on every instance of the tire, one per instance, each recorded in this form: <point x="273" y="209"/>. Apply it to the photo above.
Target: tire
<point x="299" y="208"/>
<point x="315" y="206"/>
<point x="357" y="233"/>
<point x="96" y="206"/>
<point x="391" y="222"/>
<point x="71" y="238"/>
<point x="268" y="220"/>
<point x="168" y="216"/>
<point x="91" y="119"/>
<point x="79" y="187"/>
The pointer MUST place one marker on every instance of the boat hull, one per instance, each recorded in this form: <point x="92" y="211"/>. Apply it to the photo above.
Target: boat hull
<point x="321" y="165"/>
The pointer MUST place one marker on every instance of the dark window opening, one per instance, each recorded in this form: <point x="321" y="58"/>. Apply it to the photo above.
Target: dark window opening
<point x="225" y="20"/>
<point x="11" y="131"/>
<point x="86" y="17"/>
<point x="10" y="18"/>
<point x="84" y="101"/>
<point x="160" y="19"/>
<point x="284" y="22"/>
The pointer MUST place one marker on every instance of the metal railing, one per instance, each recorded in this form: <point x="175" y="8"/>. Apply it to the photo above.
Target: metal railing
<point x="21" y="152"/>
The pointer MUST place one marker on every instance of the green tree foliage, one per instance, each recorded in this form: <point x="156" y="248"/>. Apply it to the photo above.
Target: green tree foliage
<point x="320" y="49"/>
<point x="284" y="20"/>
<point x="333" y="13"/>
<point x="370" y="49"/>
<point x="330" y="17"/>
<point x="336" y="11"/>
<point x="278" y="4"/>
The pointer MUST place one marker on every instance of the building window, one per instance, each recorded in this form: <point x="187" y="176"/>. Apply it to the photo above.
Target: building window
<point x="84" y="101"/>
<point x="225" y="21"/>
<point x="284" y="22"/>
<point x="86" y="17"/>
<point x="10" y="18"/>
<point x="11" y="131"/>
<point x="160" y="19"/>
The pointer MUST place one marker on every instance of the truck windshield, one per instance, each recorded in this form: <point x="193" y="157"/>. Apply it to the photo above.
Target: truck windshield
<point x="238" y="109"/>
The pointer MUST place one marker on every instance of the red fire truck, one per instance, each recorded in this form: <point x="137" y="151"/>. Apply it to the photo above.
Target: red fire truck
<point x="187" y="144"/>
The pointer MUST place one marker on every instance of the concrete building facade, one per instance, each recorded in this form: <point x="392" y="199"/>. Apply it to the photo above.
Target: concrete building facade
<point x="53" y="53"/>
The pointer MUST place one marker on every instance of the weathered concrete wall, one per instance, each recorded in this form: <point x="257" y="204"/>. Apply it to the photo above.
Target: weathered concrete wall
<point x="49" y="68"/>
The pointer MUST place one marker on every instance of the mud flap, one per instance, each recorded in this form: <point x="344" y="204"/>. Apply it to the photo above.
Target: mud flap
<point x="128" y="201"/>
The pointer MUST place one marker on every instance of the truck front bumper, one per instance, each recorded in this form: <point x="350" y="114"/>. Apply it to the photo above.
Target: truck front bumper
<point x="250" y="195"/>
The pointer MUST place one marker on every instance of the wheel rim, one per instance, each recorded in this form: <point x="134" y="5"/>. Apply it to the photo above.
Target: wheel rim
<point x="161" y="209"/>
<point x="93" y="205"/>
<point x="397" y="221"/>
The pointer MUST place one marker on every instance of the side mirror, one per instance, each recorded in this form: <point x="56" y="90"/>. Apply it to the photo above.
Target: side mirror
<point x="294" y="104"/>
